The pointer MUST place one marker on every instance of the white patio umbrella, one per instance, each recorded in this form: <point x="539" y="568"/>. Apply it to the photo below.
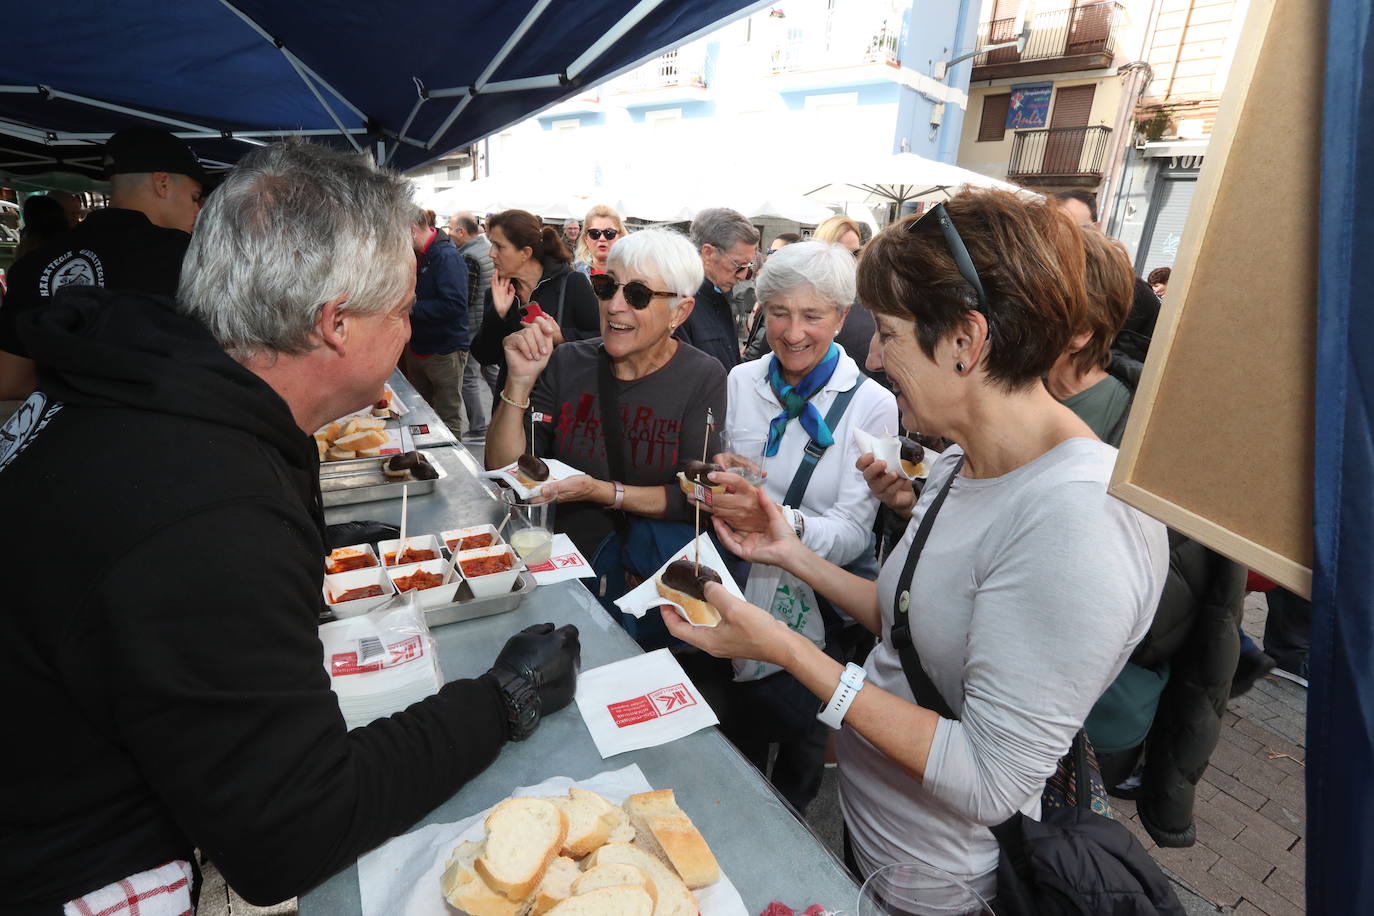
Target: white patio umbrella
<point x="896" y="178"/>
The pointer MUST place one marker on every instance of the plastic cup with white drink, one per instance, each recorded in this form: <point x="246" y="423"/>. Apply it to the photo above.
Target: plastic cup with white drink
<point x="530" y="530"/>
<point x="742" y="454"/>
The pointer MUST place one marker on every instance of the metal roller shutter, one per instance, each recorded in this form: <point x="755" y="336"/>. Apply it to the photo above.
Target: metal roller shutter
<point x="1166" y="224"/>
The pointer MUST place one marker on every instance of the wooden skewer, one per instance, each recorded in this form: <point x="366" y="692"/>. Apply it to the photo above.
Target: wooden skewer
<point x="405" y="507"/>
<point x="696" y="526"/>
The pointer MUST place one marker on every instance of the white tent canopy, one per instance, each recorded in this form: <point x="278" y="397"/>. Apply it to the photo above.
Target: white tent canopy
<point x="894" y="178"/>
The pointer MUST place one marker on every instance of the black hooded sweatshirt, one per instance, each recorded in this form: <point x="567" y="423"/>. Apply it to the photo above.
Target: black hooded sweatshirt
<point x="163" y="676"/>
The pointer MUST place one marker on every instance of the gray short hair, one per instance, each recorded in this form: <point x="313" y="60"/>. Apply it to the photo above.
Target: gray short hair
<point x="293" y="226"/>
<point x="662" y="253"/>
<point x="827" y="268"/>
<point x="723" y="228"/>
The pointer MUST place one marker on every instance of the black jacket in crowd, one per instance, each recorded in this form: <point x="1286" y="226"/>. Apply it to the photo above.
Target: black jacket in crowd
<point x="562" y="293"/>
<point x="1195" y="632"/>
<point x="163" y="671"/>
<point x="439" y="318"/>
<point x="711" y="326"/>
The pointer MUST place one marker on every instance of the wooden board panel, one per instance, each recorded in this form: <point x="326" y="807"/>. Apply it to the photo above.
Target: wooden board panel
<point x="1220" y="442"/>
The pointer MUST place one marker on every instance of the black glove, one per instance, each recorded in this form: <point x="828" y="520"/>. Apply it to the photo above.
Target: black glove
<point x="346" y="534"/>
<point x="549" y="657"/>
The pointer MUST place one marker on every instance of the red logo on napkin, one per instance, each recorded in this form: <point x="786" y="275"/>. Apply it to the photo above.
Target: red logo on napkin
<point x="652" y="705"/>
<point x="562" y="561"/>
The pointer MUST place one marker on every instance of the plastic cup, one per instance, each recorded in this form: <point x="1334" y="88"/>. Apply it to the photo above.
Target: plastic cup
<point x="917" y="889"/>
<point x="530" y="531"/>
<point x="742" y="454"/>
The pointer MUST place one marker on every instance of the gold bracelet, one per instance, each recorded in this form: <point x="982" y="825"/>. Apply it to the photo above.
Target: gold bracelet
<point x="515" y="404"/>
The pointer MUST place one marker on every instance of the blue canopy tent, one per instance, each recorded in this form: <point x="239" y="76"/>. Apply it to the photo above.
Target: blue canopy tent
<point x="408" y="80"/>
<point x="1340" y="709"/>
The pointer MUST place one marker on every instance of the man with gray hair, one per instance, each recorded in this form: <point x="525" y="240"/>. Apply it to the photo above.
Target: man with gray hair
<point x="175" y="692"/>
<point x="728" y="244"/>
<point x="572" y="230"/>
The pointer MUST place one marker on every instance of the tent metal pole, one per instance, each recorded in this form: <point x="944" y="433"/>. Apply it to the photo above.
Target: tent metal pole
<point x="122" y="109"/>
<point x="314" y="90"/>
<point x="515" y="38"/>
<point x="406" y="126"/>
<point x="633" y="18"/>
<point x="298" y="64"/>
<point x="552" y="81"/>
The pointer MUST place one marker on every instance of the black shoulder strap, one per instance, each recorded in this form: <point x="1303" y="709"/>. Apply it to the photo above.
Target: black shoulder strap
<point x="922" y="688"/>
<point x="558" y="312"/>
<point x="814" y="450"/>
<point x="608" y="399"/>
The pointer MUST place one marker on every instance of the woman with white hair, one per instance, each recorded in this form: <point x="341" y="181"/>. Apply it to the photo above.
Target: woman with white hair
<point x="806" y="399"/>
<point x="628" y="409"/>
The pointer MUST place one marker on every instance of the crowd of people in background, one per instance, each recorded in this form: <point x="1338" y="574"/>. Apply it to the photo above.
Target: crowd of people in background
<point x="1006" y="332"/>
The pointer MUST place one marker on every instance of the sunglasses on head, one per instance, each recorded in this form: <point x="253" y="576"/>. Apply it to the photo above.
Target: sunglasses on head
<point x="637" y="294"/>
<point x="596" y="234"/>
<point x="937" y="215"/>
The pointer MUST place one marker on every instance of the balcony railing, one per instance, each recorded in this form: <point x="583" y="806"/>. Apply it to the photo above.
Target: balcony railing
<point x="676" y="68"/>
<point x="1059" y="154"/>
<point x="1082" y="29"/>
<point x="850" y="35"/>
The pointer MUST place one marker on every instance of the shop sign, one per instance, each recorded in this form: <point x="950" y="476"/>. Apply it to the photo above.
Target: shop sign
<point x="1029" y="106"/>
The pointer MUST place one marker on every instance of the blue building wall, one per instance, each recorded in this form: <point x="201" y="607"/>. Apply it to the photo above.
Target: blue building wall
<point x="935" y="30"/>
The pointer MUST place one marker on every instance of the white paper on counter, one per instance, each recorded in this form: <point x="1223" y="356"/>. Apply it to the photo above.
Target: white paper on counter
<point x="401" y="877"/>
<point x="565" y="562"/>
<point x="645" y="596"/>
<point x="640" y="702"/>
<point x="557" y="471"/>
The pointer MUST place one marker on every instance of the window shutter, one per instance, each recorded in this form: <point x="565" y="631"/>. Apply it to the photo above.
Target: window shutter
<point x="993" y="126"/>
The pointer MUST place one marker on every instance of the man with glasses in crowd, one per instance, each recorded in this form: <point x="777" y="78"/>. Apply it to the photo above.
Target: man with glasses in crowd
<point x="728" y="244"/>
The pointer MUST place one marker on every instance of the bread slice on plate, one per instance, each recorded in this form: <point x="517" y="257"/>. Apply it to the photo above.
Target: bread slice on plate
<point x="665" y="830"/>
<point x="590" y="820"/>
<point x="672" y="898"/>
<point x="627" y="900"/>
<point x="557" y="885"/>
<point x="523" y="836"/>
<point x="613" y="874"/>
<point x="465" y="890"/>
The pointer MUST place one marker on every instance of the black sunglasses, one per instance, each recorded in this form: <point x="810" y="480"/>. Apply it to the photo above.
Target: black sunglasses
<point x="596" y="234"/>
<point x="938" y="215"/>
<point x="636" y="294"/>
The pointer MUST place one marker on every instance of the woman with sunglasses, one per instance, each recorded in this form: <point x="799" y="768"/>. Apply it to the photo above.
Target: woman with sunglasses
<point x="600" y="230"/>
<point x="658" y="391"/>
<point x="808" y="394"/>
<point x="531" y="266"/>
<point x="1032" y="586"/>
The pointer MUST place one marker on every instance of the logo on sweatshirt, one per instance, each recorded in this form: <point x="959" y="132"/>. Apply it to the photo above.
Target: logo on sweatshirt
<point x="72" y="268"/>
<point x="24" y="426"/>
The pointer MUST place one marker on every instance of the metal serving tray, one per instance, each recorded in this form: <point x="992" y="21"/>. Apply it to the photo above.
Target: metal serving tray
<point x="360" y="480"/>
<point x="467" y="607"/>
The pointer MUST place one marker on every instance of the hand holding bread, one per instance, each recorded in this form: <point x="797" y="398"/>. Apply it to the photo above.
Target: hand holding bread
<point x="743" y="631"/>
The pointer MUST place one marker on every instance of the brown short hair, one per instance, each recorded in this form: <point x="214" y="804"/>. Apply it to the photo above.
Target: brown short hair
<point x="1111" y="290"/>
<point x="1159" y="275"/>
<point x="1029" y="257"/>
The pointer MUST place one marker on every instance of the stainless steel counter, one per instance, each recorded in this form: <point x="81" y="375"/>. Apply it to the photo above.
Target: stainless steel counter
<point x="760" y="844"/>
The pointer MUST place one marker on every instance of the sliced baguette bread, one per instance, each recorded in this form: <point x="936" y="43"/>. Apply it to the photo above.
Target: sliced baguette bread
<point x="465" y="889"/>
<point x="671" y="896"/>
<point x="627" y="900"/>
<point x="523" y="836"/>
<point x="557" y="885"/>
<point x="590" y="820"/>
<point x="366" y="438"/>
<point x="665" y="830"/>
<point x="613" y="874"/>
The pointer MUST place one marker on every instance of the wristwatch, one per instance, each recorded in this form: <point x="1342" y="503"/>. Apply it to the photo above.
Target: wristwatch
<point x="522" y="700"/>
<point x="851" y="681"/>
<point x="798" y="521"/>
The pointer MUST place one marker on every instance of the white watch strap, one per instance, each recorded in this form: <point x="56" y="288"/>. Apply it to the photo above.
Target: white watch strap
<point x="851" y="681"/>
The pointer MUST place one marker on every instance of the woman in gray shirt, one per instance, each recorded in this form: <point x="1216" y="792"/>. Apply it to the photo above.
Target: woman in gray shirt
<point x="1034" y="585"/>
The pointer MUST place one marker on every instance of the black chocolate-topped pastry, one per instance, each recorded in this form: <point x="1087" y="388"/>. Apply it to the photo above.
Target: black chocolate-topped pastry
<point x="533" y="468"/>
<point x="697" y="470"/>
<point x="423" y="470"/>
<point x="682" y="576"/>
<point x="911" y="450"/>
<point x="405" y="461"/>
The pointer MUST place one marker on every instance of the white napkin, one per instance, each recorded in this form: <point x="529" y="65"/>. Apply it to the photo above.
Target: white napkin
<point x="401" y="877"/>
<point x="380" y="662"/>
<point x="640" y="702"/>
<point x="646" y="597"/>
<point x="565" y="562"/>
<point x="887" y="449"/>
<point x="557" y="471"/>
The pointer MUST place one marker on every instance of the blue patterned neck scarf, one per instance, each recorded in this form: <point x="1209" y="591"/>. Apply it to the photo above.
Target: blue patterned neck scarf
<point x="796" y="401"/>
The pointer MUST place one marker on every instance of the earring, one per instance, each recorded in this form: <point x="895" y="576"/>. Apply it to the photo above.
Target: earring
<point x="959" y="368"/>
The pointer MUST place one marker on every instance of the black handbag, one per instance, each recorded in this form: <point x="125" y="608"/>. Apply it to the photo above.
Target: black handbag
<point x="1075" y="859"/>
